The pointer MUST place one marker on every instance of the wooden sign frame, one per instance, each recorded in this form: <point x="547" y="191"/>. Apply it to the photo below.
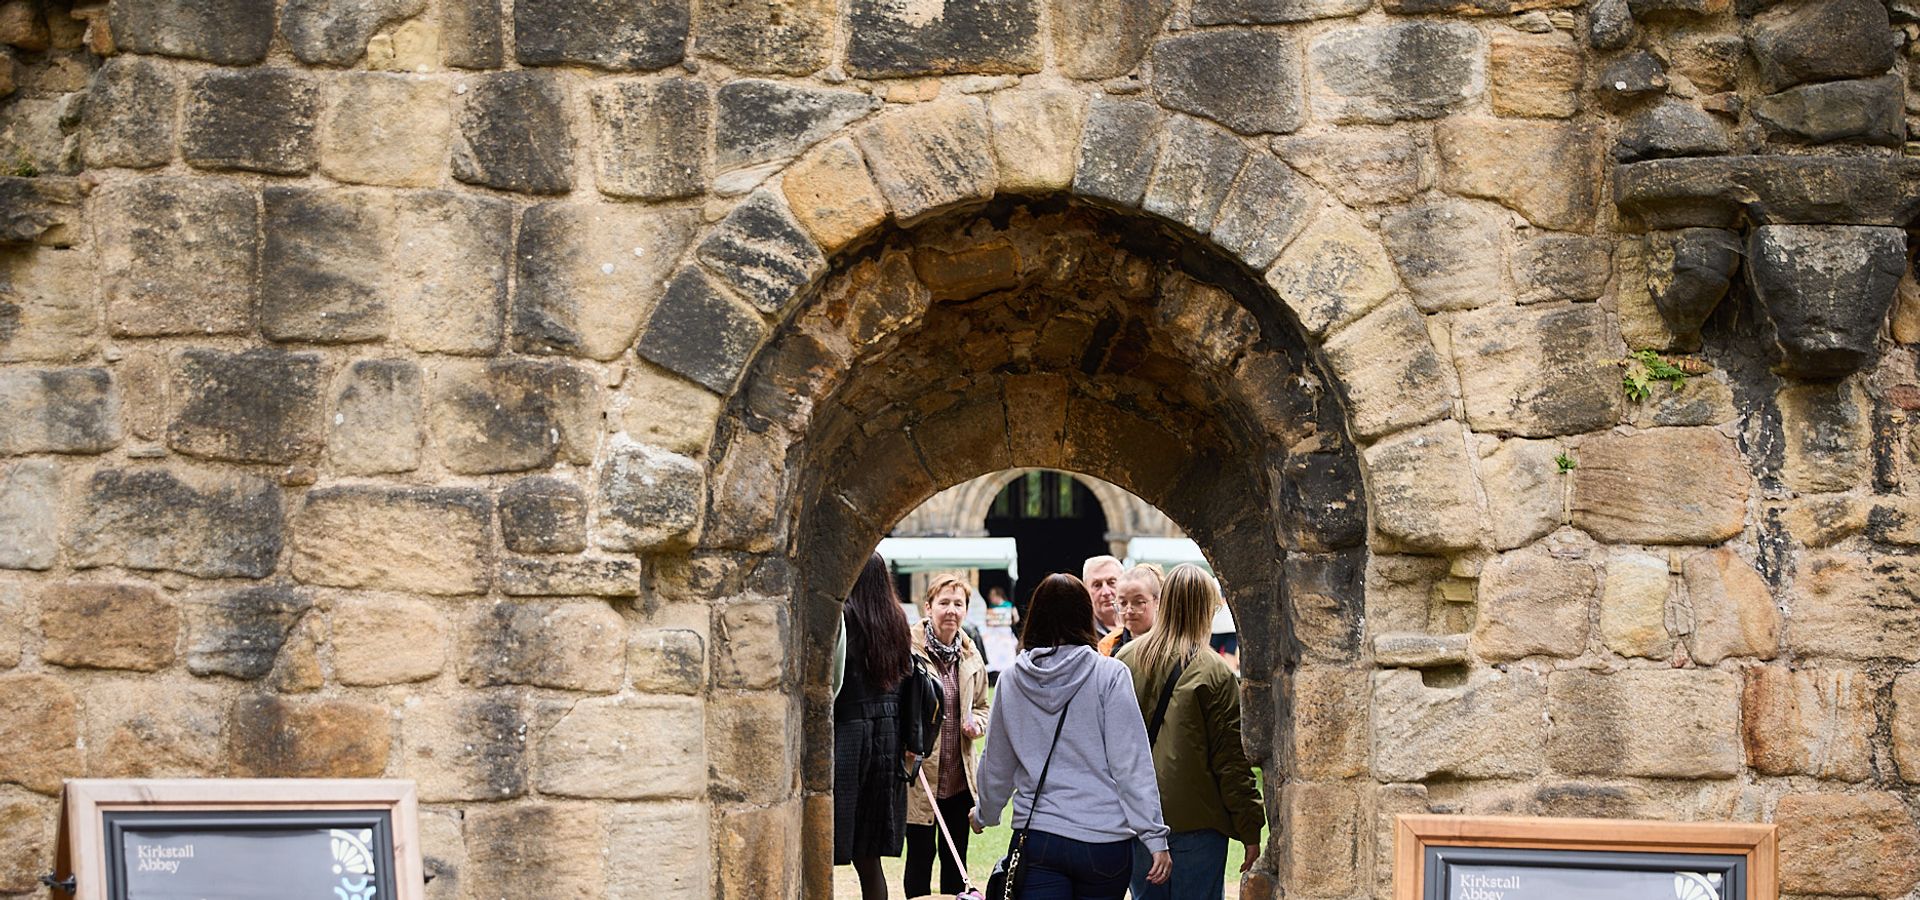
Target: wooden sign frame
<point x="1414" y="834"/>
<point x="81" y="853"/>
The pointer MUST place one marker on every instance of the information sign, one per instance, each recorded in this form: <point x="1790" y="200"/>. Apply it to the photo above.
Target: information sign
<point x="1513" y="858"/>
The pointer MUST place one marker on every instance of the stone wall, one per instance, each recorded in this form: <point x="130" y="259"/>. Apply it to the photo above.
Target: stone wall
<point x="500" y="395"/>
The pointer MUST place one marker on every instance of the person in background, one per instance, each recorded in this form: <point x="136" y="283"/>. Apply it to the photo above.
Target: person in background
<point x="1065" y="709"/>
<point x="999" y="644"/>
<point x="1191" y="703"/>
<point x="953" y="658"/>
<point x="1101" y="574"/>
<point x="869" y="799"/>
<point x="1138" y="596"/>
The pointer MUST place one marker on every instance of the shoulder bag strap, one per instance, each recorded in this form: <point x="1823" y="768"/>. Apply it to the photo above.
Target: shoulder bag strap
<point x="1040" y="785"/>
<point x="1166" y="697"/>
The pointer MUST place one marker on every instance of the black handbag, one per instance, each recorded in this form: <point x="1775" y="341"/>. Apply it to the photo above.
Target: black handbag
<point x="1004" y="882"/>
<point x="921" y="699"/>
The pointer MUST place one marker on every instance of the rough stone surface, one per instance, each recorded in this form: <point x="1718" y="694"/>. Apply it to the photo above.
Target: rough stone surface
<point x="622" y="35"/>
<point x="230" y="32"/>
<point x="430" y="540"/>
<point x="107" y="626"/>
<point x="1633" y="605"/>
<point x="565" y="646"/>
<point x="196" y="523"/>
<point x="1269" y="12"/>
<point x="1847" y="844"/>
<point x="39" y="749"/>
<point x="973" y="36"/>
<point x="513" y="135"/>
<point x="648" y="498"/>
<point x="446" y="274"/>
<point x="544" y="515"/>
<point x="470" y="32"/>
<point x="1855" y="607"/>
<point x="240" y="633"/>
<point x="651" y="138"/>
<point x="1650" y="723"/>
<point x="1534" y="602"/>
<point x="1800" y="42"/>
<point x="1036" y="139"/>
<point x="468" y="748"/>
<point x="1906" y="726"/>
<point x="1245" y="80"/>
<point x="1828" y="436"/>
<point x="258" y="406"/>
<point x="1827" y="289"/>
<point x="1689" y="271"/>
<point x="1622" y="491"/>
<point x="757" y="121"/>
<point x="1334" y="272"/>
<point x="277" y="737"/>
<point x="1393" y="377"/>
<point x="513" y="415"/>
<point x="550" y="849"/>
<point x="1668" y="129"/>
<point x="58" y="411"/>
<point x="1267" y="206"/>
<point x="256" y="120"/>
<point x="832" y="196"/>
<point x="381" y="640"/>
<point x="1109" y="39"/>
<point x="1196" y="170"/>
<point x="1360" y="168"/>
<point x="1118" y="148"/>
<point x="335" y="32"/>
<point x="1537" y="373"/>
<point x="1815" y="722"/>
<point x="317" y="283"/>
<point x="1545" y="171"/>
<point x="177" y="256"/>
<point x="29" y="535"/>
<point x="679" y="863"/>
<point x="1494" y="725"/>
<point x="387" y="129"/>
<point x="571" y="577"/>
<point x="129" y="114"/>
<point x="1325" y="841"/>
<point x="1448" y="253"/>
<point x="625" y="749"/>
<point x="1534" y="75"/>
<point x="701" y="333"/>
<point x="1526" y="492"/>
<point x="50" y="302"/>
<point x="154" y="729"/>
<point x="1403" y="70"/>
<point x="1869" y="111"/>
<point x="932" y="157"/>
<point x="667" y="661"/>
<point x="1422" y="489"/>
<point x="763" y="254"/>
<point x="589" y="273"/>
<point x="1329" y="728"/>
<point x="377" y="424"/>
<point x="794" y="37"/>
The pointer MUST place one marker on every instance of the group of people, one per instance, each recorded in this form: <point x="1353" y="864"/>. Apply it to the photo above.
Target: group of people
<point x="1117" y="742"/>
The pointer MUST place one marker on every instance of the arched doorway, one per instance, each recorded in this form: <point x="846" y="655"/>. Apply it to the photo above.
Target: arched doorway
<point x="1057" y="522"/>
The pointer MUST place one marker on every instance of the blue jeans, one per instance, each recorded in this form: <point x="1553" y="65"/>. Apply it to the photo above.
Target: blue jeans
<point x="1060" y="868"/>
<point x="1199" y="867"/>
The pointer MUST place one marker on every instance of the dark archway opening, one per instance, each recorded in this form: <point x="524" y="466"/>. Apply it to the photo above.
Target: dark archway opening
<point x="1057" y="523"/>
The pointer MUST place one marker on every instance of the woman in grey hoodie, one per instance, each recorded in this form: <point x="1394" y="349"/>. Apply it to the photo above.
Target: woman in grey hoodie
<point x="1100" y="794"/>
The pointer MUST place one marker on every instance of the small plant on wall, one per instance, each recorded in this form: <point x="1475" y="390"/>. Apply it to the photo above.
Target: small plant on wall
<point x="1643" y="369"/>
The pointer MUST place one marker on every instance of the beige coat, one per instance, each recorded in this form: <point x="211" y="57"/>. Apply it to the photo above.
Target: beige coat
<point x="973" y="697"/>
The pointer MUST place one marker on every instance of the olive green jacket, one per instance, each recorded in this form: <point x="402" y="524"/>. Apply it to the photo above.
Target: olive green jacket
<point x="1205" y="779"/>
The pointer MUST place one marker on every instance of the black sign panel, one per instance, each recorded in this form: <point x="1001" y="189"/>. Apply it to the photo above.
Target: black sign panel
<point x="1477" y="873"/>
<point x="287" y="855"/>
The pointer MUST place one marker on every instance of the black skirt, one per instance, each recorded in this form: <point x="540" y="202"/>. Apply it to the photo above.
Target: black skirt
<point x="869" y="799"/>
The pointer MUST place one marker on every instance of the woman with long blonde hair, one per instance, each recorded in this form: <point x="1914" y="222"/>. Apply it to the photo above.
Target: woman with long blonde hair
<point x="1190" y="700"/>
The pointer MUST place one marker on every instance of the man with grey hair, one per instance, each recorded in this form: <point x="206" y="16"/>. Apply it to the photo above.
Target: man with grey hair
<point x="1102" y="577"/>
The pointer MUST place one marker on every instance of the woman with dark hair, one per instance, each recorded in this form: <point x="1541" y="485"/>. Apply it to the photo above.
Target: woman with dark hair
<point x="869" y="799"/>
<point x="1068" y="712"/>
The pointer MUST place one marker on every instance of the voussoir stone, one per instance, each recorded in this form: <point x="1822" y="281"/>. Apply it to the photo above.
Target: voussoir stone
<point x="377" y="423"/>
<point x="514" y="134"/>
<point x="1246" y="80"/>
<point x="763" y="254"/>
<point x="240" y="633"/>
<point x="254" y="406"/>
<point x="1360" y="168"/>
<point x="1118" y="147"/>
<point x="1333" y="272"/>
<point x="832" y="196"/>
<point x="129" y="114"/>
<point x="511" y="415"/>
<point x="283" y="737"/>
<point x="1392" y="376"/>
<point x="1815" y="722"/>
<point x="1422" y="489"/>
<point x="1036" y="138"/>
<point x="701" y="333"/>
<point x="1492" y="726"/>
<point x="257" y="120"/>
<point x="1545" y="171"/>
<point x="1534" y="602"/>
<point x="1267" y="207"/>
<point x="888" y="39"/>
<point x="1649" y="723"/>
<point x="652" y="138"/>
<point x="335" y="32"/>
<point x="230" y="32"/>
<point x="1402" y="70"/>
<point x="589" y="273"/>
<point x="793" y="38"/>
<point x="931" y="157"/>
<point x="1627" y="487"/>
<point x="429" y="540"/>
<point x="566" y="646"/>
<point x="622" y="35"/>
<point x="1827" y="289"/>
<point x="625" y="749"/>
<point x="1847" y="844"/>
<point x="1196" y="169"/>
<point x="177" y="255"/>
<point x="107" y="626"/>
<point x="648" y="498"/>
<point x="1537" y="373"/>
<point x="758" y="121"/>
<point x="58" y="411"/>
<point x="201" y="524"/>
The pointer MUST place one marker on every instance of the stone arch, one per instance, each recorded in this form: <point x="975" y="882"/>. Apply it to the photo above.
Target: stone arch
<point x="962" y="509"/>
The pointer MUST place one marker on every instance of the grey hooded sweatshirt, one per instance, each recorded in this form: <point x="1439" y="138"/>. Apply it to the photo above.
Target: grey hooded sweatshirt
<point x="1101" y="787"/>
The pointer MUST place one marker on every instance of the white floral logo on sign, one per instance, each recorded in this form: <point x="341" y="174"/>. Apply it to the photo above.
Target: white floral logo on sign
<point x="1695" y="886"/>
<point x="352" y="857"/>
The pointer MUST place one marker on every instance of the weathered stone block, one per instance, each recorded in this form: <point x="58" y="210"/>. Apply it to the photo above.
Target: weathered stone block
<point x="567" y="646"/>
<point x="758" y="121"/>
<point x="470" y="33"/>
<point x="1334" y="272"/>
<point x="1246" y="80"/>
<point x="678" y="864"/>
<point x="550" y="849"/>
<point x="544" y="515"/>
<point x="257" y="120"/>
<point x="754" y="854"/>
<point x="1733" y="611"/>
<point x="648" y="498"/>
<point x="1108" y="39"/>
<point x="512" y="415"/>
<point x="376" y="423"/>
<point x="1422" y="489"/>
<point x="153" y="729"/>
<point x="1854" y="606"/>
<point x="1403" y="70"/>
<point x="1815" y="722"/>
<point x="1868" y="111"/>
<point x="698" y="332"/>
<point x="129" y="115"/>
<point x="320" y="278"/>
<point x="1448" y="253"/>
<point x="1535" y="602"/>
<point x="205" y="525"/>
<point x="750" y="645"/>
<point x="240" y="633"/>
<point x="386" y="640"/>
<point x="1526" y="491"/>
<point x="1536" y="75"/>
<point x="1906" y="725"/>
<point x="514" y="134"/>
<point x="1632" y="78"/>
<point x="29" y="518"/>
<point x="651" y="138"/>
<point x="1800" y="42"/>
<point x="1118" y="147"/>
<point x="1827" y="289"/>
<point x="1633" y="606"/>
<point x="279" y="737"/>
<point x="751" y="746"/>
<point x="1392" y="376"/>
<point x="570" y="577"/>
<point x="888" y="39"/>
<point x="1329" y="716"/>
<point x="1847" y="844"/>
<point x="1539" y="373"/>
<point x="832" y="196"/>
<point x="1649" y="723"/>
<point x="931" y="157"/>
<point x="107" y="626"/>
<point x="1493" y="726"/>
<point x="1360" y="168"/>
<point x="446" y="272"/>
<point x="335" y="32"/>
<point x="428" y="540"/>
<point x="658" y="408"/>
<point x="58" y="411"/>
<point x="622" y="35"/>
<point x="1688" y="271"/>
<point x="177" y="256"/>
<point x="26" y="843"/>
<point x="1323" y="839"/>
<point x="1266" y="207"/>
<point x="1668" y="129"/>
<point x="387" y="129"/>
<point x="230" y="32"/>
<point x="626" y="749"/>
<point x="1623" y="490"/>
<point x="38" y="748"/>
<point x="255" y="406"/>
<point x="1195" y="173"/>
<point x="50" y="301"/>
<point x="1545" y="171"/>
<point x="762" y="254"/>
<point x="794" y="37"/>
<point x="667" y="661"/>
<point x="589" y="273"/>
<point x="469" y="747"/>
<point x="1829" y="435"/>
<point x="1270" y="12"/>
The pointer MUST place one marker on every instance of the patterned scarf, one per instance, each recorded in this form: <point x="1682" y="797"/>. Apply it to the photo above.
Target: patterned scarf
<point x="943" y="653"/>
